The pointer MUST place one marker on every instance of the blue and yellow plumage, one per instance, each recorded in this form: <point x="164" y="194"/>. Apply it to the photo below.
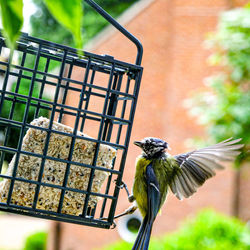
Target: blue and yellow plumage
<point x="157" y="171"/>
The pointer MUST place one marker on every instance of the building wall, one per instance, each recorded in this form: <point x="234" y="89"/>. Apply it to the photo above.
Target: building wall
<point x="174" y="61"/>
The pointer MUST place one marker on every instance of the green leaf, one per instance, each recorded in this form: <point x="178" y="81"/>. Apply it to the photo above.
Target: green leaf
<point x="69" y="13"/>
<point x="12" y="20"/>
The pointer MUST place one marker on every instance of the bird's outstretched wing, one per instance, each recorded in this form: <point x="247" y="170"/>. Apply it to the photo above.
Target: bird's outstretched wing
<point x="194" y="168"/>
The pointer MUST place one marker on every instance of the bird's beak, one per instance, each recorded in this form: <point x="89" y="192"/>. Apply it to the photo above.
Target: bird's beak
<point x="138" y="143"/>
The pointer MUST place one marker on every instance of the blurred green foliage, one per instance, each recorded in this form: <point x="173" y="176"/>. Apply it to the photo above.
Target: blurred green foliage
<point x="36" y="241"/>
<point x="70" y="15"/>
<point x="207" y="231"/>
<point x="45" y="26"/>
<point x="231" y="43"/>
<point x="225" y="108"/>
<point x="12" y="20"/>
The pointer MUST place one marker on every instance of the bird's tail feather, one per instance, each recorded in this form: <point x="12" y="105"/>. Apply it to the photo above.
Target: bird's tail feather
<point x="143" y="237"/>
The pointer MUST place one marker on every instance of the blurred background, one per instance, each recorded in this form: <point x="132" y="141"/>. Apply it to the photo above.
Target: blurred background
<point x="194" y="92"/>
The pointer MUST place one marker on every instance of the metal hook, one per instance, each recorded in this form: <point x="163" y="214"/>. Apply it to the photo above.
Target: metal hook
<point x="118" y="26"/>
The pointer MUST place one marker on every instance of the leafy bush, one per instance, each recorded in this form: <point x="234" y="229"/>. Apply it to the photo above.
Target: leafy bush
<point x="208" y="230"/>
<point x="225" y="108"/>
<point x="36" y="241"/>
<point x="231" y="43"/>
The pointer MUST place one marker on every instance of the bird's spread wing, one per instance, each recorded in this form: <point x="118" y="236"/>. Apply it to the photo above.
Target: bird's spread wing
<point x="194" y="168"/>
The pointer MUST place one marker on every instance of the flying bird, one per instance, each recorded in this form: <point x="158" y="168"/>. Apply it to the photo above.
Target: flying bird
<point x="157" y="172"/>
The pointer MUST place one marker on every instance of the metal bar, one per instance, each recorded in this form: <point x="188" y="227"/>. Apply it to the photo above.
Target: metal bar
<point x="42" y="88"/>
<point x="1" y="45"/>
<point x="114" y="106"/>
<point x="25" y="117"/>
<point x="63" y="87"/>
<point x="98" y="143"/>
<point x="65" y="94"/>
<point x="112" y="110"/>
<point x="73" y="53"/>
<point x="46" y="145"/>
<point x="72" y="88"/>
<point x="67" y="134"/>
<point x="60" y="160"/>
<point x="131" y="118"/>
<point x="111" y="20"/>
<point x="73" y="138"/>
<point x="7" y="129"/>
<point x="88" y="98"/>
<point x="70" y="107"/>
<point x="56" y="48"/>
<point x="57" y="186"/>
<point x="108" y="122"/>
<point x="101" y="67"/>
<point x="3" y="91"/>
<point x="118" y="139"/>
<point x="124" y="107"/>
<point x="54" y="216"/>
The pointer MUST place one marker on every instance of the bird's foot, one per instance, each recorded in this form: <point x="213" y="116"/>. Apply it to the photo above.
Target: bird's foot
<point x="124" y="185"/>
<point x="130" y="210"/>
<point x="113" y="226"/>
<point x="131" y="198"/>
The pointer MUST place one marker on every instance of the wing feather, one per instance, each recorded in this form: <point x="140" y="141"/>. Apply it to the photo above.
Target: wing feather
<point x="194" y="168"/>
<point x="185" y="186"/>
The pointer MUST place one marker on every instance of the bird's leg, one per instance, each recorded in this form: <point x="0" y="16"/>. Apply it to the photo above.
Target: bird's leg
<point x="130" y="196"/>
<point x="130" y="210"/>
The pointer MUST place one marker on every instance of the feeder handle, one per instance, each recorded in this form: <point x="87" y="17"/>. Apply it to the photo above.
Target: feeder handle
<point x="111" y="20"/>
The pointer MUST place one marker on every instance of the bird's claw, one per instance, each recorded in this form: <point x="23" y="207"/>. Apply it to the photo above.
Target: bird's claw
<point x="131" y="198"/>
<point x="123" y="185"/>
<point x="113" y="226"/>
<point x="120" y="186"/>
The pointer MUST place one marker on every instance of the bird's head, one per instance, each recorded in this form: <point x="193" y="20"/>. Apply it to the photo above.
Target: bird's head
<point x="152" y="146"/>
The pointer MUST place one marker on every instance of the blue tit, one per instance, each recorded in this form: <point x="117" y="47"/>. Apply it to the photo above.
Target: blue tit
<point x="157" y="171"/>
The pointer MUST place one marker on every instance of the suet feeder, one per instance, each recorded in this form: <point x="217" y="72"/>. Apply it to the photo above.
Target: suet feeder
<point x="65" y="132"/>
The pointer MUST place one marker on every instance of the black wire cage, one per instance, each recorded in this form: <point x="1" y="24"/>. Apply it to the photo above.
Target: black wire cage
<point x="95" y="95"/>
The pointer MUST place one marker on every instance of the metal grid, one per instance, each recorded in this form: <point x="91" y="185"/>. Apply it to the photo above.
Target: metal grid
<point x="93" y="94"/>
